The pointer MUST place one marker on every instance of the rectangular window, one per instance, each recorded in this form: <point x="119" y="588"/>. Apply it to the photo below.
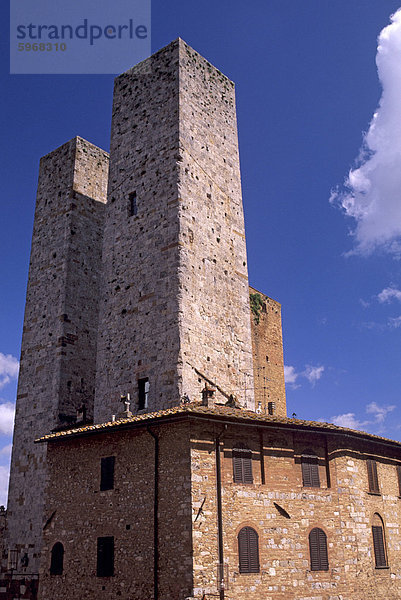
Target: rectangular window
<point x="242" y="465"/>
<point x="379" y="547"/>
<point x="143" y="393"/>
<point x="372" y="476"/>
<point x="271" y="407"/>
<point x="133" y="207"/>
<point x="107" y="473"/>
<point x="105" y="557"/>
<point x="310" y="470"/>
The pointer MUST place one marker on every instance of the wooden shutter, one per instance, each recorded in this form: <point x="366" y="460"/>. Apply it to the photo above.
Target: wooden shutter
<point x="379" y="548"/>
<point x="318" y="550"/>
<point x="310" y="471"/>
<point x="399" y="479"/>
<point x="372" y="476"/>
<point x="248" y="550"/>
<point x="105" y="557"/>
<point x="242" y="465"/>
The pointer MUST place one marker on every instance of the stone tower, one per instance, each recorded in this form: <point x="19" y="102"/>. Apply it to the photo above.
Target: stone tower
<point x="174" y="314"/>
<point x="58" y="357"/>
<point x="268" y="360"/>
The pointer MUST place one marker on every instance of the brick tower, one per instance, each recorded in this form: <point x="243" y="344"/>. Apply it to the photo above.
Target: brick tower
<point x="174" y="315"/>
<point x="57" y="375"/>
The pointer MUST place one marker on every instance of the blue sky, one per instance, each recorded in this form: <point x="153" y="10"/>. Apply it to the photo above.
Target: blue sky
<point x="307" y="89"/>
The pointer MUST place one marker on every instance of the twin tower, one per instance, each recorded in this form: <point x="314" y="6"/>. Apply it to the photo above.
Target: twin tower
<point x="138" y="279"/>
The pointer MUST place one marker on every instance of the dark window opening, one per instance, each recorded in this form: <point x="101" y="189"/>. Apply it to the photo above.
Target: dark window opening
<point x="57" y="559"/>
<point x="310" y="469"/>
<point x="133" y="206"/>
<point x="143" y="393"/>
<point x="271" y="407"/>
<point x="107" y="473"/>
<point x="318" y="550"/>
<point x="379" y="545"/>
<point x="248" y="550"/>
<point x="242" y="465"/>
<point x="105" y="557"/>
<point x="372" y="477"/>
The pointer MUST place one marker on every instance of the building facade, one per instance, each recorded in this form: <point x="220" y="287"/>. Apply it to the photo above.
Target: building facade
<point x="209" y="501"/>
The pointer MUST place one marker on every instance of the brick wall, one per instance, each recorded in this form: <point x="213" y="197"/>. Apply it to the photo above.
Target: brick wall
<point x="344" y="510"/>
<point x="277" y="505"/>
<point x="267" y="349"/>
<point x="82" y="513"/>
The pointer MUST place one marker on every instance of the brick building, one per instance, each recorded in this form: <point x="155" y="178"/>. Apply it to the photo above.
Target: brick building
<point x="198" y="484"/>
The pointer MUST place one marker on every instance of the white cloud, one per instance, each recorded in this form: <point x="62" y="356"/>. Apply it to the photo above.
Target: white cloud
<point x="9" y="367"/>
<point x="313" y="374"/>
<point x="290" y="376"/>
<point x="7" y="412"/>
<point x="4" y="477"/>
<point x="372" y="195"/>
<point x="379" y="412"/>
<point x="388" y="294"/>
<point x="6" y="450"/>
<point x="347" y="420"/>
<point x="394" y="322"/>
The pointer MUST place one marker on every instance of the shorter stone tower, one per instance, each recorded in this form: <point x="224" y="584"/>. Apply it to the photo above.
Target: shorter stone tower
<point x="267" y="349"/>
<point x="58" y="356"/>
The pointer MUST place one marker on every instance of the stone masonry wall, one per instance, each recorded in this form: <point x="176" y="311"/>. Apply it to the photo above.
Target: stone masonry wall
<point x="59" y="336"/>
<point x="215" y="327"/>
<point x="342" y="507"/>
<point x="138" y="333"/>
<point x="276" y="505"/>
<point x="175" y="306"/>
<point x="79" y="513"/>
<point x="268" y="360"/>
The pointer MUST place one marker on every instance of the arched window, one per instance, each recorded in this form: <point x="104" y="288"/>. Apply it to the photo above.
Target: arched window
<point x="310" y="469"/>
<point x="56" y="564"/>
<point x="242" y="465"/>
<point x="248" y="550"/>
<point x="318" y="550"/>
<point x="379" y="542"/>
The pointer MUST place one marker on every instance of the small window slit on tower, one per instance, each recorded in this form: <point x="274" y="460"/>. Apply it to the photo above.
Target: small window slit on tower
<point x="133" y="206"/>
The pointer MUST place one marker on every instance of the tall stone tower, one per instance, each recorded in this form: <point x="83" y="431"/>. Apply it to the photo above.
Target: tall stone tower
<point x="58" y="357"/>
<point x="174" y="314"/>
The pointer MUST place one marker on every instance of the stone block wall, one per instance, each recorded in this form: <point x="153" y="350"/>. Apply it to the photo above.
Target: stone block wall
<point x="268" y="359"/>
<point x="175" y="306"/>
<point x="276" y="504"/>
<point x="58" y="355"/>
<point x="79" y="513"/>
<point x="216" y="336"/>
<point x="283" y="512"/>
<point x="139" y="333"/>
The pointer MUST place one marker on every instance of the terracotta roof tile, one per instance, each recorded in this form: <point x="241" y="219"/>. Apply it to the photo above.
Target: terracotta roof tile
<point x="218" y="411"/>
